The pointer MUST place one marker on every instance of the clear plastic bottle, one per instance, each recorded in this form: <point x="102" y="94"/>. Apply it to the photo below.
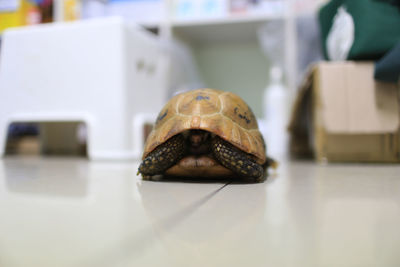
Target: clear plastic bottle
<point x="276" y="106"/>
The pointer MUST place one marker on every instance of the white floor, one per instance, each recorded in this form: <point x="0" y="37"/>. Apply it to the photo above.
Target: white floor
<point x="72" y="212"/>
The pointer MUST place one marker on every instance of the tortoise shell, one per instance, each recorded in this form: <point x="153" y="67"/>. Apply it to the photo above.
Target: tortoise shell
<point x="222" y="113"/>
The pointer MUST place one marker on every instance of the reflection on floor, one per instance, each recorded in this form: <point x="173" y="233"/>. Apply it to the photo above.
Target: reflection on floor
<point x="73" y="212"/>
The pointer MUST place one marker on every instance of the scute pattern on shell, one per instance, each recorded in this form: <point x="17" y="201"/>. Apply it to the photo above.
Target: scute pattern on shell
<point x="222" y="113"/>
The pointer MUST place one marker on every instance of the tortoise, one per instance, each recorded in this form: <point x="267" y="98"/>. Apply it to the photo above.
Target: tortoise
<point x="206" y="133"/>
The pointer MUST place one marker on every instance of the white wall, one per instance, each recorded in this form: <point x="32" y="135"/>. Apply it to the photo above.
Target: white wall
<point x="237" y="67"/>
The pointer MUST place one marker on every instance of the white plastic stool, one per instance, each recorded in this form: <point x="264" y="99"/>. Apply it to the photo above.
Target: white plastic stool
<point x="107" y="73"/>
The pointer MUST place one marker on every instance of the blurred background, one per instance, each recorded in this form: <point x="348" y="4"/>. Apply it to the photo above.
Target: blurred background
<point x="261" y="50"/>
<point x="82" y="82"/>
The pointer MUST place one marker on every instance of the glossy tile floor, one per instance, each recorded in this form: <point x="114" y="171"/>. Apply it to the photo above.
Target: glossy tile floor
<point x="72" y="212"/>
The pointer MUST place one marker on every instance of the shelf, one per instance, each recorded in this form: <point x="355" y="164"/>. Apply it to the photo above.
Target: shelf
<point x="229" y="19"/>
<point x="235" y="28"/>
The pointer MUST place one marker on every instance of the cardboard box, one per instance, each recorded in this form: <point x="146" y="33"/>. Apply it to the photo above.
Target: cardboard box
<point x="341" y="114"/>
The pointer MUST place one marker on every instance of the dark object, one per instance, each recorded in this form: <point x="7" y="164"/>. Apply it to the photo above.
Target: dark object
<point x="388" y="68"/>
<point x="23" y="129"/>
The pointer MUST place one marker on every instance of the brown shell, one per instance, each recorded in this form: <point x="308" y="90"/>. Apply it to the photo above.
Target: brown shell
<point x="222" y="113"/>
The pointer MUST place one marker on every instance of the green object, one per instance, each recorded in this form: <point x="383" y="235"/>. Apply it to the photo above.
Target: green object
<point x="376" y="26"/>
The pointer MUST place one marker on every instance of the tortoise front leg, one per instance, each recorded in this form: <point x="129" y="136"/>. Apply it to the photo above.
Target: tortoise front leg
<point x="163" y="157"/>
<point x="236" y="160"/>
